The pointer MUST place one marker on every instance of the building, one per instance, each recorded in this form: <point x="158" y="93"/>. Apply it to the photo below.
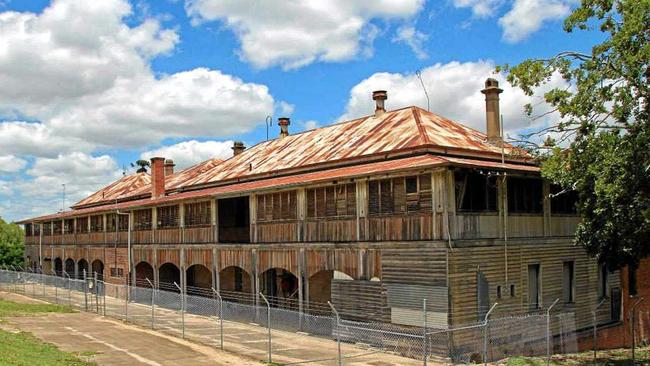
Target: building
<point x="373" y="214"/>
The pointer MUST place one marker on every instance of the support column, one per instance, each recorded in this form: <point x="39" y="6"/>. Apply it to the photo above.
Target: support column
<point x="216" y="269"/>
<point x="301" y="274"/>
<point x="183" y="274"/>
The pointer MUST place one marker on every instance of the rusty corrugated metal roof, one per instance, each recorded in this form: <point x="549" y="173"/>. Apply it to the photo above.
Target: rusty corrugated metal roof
<point x="127" y="186"/>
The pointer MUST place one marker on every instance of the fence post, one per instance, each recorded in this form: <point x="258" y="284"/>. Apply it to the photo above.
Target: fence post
<point x="153" y="304"/>
<point x="633" y="319"/>
<point x="338" y="333"/>
<point x="548" y="332"/>
<point x="595" y="336"/>
<point x="96" y="286"/>
<point x="485" y="335"/>
<point x="215" y="292"/>
<point x="268" y="322"/>
<point x="85" y="291"/>
<point x="56" y="292"/>
<point x="182" y="308"/>
<point x="424" y="331"/>
<point x="15" y="278"/>
<point x="69" y="288"/>
<point x="127" y="293"/>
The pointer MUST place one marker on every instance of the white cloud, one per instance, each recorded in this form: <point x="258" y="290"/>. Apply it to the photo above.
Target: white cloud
<point x="414" y="39"/>
<point x="528" y="16"/>
<point x="480" y="8"/>
<point x="296" y="33"/>
<point x="454" y="91"/>
<point x="191" y="152"/>
<point x="11" y="163"/>
<point x="5" y="188"/>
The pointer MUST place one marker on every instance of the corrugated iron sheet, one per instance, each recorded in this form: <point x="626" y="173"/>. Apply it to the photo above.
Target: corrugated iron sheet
<point x="126" y="186"/>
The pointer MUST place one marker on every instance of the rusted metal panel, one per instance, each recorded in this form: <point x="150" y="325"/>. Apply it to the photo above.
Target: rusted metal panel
<point x="118" y="190"/>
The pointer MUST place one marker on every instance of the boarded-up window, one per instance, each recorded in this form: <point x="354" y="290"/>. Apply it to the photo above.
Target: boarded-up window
<point x="533" y="286"/>
<point x="563" y="201"/>
<point x="524" y="195"/>
<point x="82" y="224"/>
<point x="277" y="206"/>
<point x="142" y="219"/>
<point x="333" y="201"/>
<point x="568" y="284"/>
<point x="197" y="214"/>
<point x="68" y="226"/>
<point x="96" y="224"/>
<point x="57" y="227"/>
<point x="475" y="192"/>
<point x="400" y="195"/>
<point x="167" y="216"/>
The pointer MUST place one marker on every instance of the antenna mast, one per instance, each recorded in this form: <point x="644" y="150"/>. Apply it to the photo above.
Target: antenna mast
<point x="419" y="75"/>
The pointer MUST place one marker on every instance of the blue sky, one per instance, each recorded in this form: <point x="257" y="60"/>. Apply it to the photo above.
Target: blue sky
<point x="89" y="87"/>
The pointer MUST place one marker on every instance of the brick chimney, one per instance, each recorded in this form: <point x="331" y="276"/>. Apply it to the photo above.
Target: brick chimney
<point x="379" y="96"/>
<point x="492" y="112"/>
<point x="284" y="123"/>
<point x="169" y="167"/>
<point x="238" y="148"/>
<point x="157" y="177"/>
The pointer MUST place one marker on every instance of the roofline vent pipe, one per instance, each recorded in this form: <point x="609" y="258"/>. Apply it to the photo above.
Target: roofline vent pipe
<point x="379" y="96"/>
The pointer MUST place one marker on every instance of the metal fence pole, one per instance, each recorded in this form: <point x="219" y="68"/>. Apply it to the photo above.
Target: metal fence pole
<point x="69" y="283"/>
<point x="182" y="308"/>
<point x="153" y="304"/>
<point x="595" y="336"/>
<point x="338" y="333"/>
<point x="85" y="291"/>
<point x="127" y="292"/>
<point x="424" y="332"/>
<point x="96" y="286"/>
<point x="548" y="332"/>
<point x="216" y="293"/>
<point x="268" y="322"/>
<point x="633" y="320"/>
<point x="485" y="335"/>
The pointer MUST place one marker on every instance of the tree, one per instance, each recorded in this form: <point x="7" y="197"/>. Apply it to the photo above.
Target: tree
<point x="143" y="164"/>
<point x="600" y="146"/>
<point x="12" y="247"/>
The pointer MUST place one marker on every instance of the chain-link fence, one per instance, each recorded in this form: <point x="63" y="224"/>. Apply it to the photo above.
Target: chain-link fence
<point x="270" y="332"/>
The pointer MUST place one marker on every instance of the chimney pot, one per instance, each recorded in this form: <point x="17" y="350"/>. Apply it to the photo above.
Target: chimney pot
<point x="157" y="177"/>
<point x="492" y="110"/>
<point x="379" y="96"/>
<point x="169" y="167"/>
<point x="238" y="148"/>
<point x="284" y="123"/>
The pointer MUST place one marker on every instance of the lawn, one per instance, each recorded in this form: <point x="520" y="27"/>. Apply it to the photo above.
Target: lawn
<point x="20" y="348"/>
<point x="616" y="357"/>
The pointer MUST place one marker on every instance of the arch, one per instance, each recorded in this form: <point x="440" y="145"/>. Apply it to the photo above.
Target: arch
<point x="143" y="271"/>
<point x="280" y="286"/>
<point x="199" y="279"/>
<point x="233" y="280"/>
<point x="168" y="273"/>
<point x="320" y="287"/>
<point x="338" y="275"/>
<point x="82" y="265"/>
<point x="69" y="267"/>
<point x="58" y="266"/>
<point x="98" y="267"/>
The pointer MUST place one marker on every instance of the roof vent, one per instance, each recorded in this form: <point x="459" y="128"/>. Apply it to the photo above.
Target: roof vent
<point x="238" y="148"/>
<point x="284" y="123"/>
<point x="169" y="167"/>
<point x="379" y="96"/>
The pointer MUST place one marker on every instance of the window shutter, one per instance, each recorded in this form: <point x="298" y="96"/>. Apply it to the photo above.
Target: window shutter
<point x="373" y="197"/>
<point x="311" y="203"/>
<point x="351" y="199"/>
<point x="386" y="195"/>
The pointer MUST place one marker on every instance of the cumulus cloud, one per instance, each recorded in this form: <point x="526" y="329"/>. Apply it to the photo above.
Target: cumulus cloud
<point x="480" y="8"/>
<point x="5" y="188"/>
<point x="454" y="91"/>
<point x="11" y="163"/>
<point x="293" y="33"/>
<point x="528" y="16"/>
<point x="191" y="152"/>
<point x="412" y="38"/>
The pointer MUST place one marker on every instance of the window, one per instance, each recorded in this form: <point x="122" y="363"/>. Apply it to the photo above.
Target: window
<point x="28" y="230"/>
<point x="47" y="228"/>
<point x="524" y="195"/>
<point x="475" y="192"/>
<point x="498" y="292"/>
<point x="57" y="227"/>
<point x="123" y="222"/>
<point x="332" y="201"/>
<point x="402" y="195"/>
<point x="68" y="226"/>
<point x="603" y="273"/>
<point x="117" y="272"/>
<point x="111" y="222"/>
<point x="37" y="230"/>
<point x="82" y="225"/>
<point x="512" y="290"/>
<point x="277" y="206"/>
<point x="631" y="280"/>
<point x="141" y="219"/>
<point x="197" y="214"/>
<point x="96" y="224"/>
<point x="167" y="217"/>
<point x="533" y="286"/>
<point x="563" y="202"/>
<point x="568" y="284"/>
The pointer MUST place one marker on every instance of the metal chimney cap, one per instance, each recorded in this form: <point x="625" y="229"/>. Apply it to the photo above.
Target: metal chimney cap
<point x="284" y="121"/>
<point x="379" y="95"/>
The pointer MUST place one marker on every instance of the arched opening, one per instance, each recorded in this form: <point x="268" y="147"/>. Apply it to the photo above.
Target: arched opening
<point x="98" y="267"/>
<point x="280" y="287"/>
<point x="58" y="266"/>
<point x="199" y="280"/>
<point x="235" y="284"/>
<point x="168" y="273"/>
<point x="82" y="265"/>
<point x="320" y="291"/>
<point x="69" y="267"/>
<point x="143" y="272"/>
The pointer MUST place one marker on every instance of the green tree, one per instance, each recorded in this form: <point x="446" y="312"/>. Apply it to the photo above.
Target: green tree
<point x="12" y="247"/>
<point x="600" y="146"/>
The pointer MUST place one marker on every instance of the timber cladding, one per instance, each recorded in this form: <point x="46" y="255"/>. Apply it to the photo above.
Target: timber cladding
<point x="166" y="255"/>
<point x="286" y="259"/>
<point x="238" y="258"/>
<point x="198" y="256"/>
<point x="361" y="300"/>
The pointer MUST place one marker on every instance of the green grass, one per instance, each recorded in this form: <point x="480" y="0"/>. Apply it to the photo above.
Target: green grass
<point x="525" y="361"/>
<point x="8" y="308"/>
<point x="18" y="349"/>
<point x="615" y="357"/>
